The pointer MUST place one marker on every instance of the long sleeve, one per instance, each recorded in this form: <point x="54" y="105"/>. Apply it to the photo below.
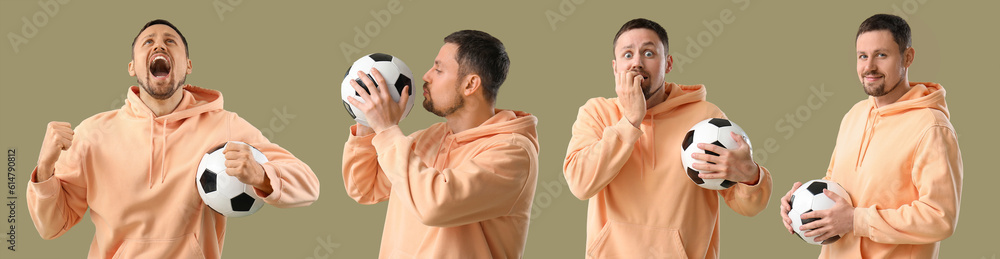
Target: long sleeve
<point x="937" y="174"/>
<point x="58" y="203"/>
<point x="748" y="200"/>
<point x="596" y="152"/>
<point x="486" y="186"/>
<point x="363" y="177"/>
<point x="293" y="183"/>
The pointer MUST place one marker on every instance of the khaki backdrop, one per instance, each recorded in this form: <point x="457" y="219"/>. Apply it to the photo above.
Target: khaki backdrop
<point x="279" y="65"/>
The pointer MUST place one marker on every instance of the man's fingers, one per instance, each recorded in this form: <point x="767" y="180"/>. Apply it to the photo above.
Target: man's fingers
<point x="706" y="167"/>
<point x="832" y="195"/>
<point x="404" y="98"/>
<point x="232" y="164"/>
<point x="58" y="124"/>
<point x="379" y="80"/>
<point x="706" y="157"/>
<point x="637" y="82"/>
<point x="712" y="175"/>
<point x="64" y="143"/>
<point x="361" y="91"/>
<point x="367" y="80"/>
<point x="715" y="149"/>
<point x="738" y="138"/>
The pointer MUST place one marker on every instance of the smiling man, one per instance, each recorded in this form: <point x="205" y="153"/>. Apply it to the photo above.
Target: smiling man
<point x="625" y="157"/>
<point x="897" y="156"/>
<point x="134" y="167"/>
<point x="457" y="189"/>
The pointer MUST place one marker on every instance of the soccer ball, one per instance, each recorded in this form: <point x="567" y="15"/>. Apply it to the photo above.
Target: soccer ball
<point x="810" y="197"/>
<point x="395" y="72"/>
<point x="224" y="193"/>
<point x="715" y="131"/>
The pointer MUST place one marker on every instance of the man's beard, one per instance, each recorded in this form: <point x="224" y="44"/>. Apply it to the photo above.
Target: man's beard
<point x="429" y="105"/>
<point x="161" y="95"/>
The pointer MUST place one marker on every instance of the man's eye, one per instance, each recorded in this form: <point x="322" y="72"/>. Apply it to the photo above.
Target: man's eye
<point x="648" y="54"/>
<point x="882" y="55"/>
<point x="863" y="57"/>
<point x="628" y="55"/>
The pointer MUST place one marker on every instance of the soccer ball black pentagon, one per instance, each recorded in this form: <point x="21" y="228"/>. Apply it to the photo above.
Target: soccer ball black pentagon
<point x="397" y="75"/>
<point x="810" y="197"/>
<point x="713" y="131"/>
<point x="222" y="192"/>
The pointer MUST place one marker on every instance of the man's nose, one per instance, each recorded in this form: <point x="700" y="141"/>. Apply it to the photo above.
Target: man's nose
<point x="870" y="65"/>
<point x="635" y="63"/>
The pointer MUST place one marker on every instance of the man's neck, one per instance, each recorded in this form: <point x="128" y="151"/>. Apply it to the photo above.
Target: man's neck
<point x="658" y="97"/>
<point x="161" y="107"/>
<point x="893" y="96"/>
<point x="472" y="115"/>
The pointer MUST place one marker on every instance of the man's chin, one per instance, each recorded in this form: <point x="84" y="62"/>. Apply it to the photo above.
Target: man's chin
<point x="160" y="92"/>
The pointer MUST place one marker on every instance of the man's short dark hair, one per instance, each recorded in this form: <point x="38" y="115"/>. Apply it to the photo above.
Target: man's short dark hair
<point x="482" y="54"/>
<point x="643" y="23"/>
<point x="894" y="24"/>
<point x="187" y="51"/>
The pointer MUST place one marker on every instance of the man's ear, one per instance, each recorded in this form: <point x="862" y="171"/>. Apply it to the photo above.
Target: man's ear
<point x="189" y="67"/>
<point x="670" y="63"/>
<point x="473" y="83"/>
<point x="614" y="67"/>
<point x="908" y="56"/>
<point x="131" y="70"/>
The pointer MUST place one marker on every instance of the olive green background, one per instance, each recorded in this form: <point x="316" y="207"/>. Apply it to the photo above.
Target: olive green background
<point x="274" y="57"/>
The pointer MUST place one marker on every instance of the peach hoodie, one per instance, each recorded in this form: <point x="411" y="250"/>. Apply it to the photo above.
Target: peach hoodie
<point x="135" y="172"/>
<point x="642" y="204"/>
<point x="451" y="195"/>
<point x="903" y="169"/>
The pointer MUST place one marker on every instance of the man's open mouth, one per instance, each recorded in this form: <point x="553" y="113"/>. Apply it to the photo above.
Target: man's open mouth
<point x="159" y="66"/>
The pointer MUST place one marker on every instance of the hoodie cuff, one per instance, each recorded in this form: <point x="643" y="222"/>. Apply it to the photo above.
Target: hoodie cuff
<point x="760" y="176"/>
<point x="861" y="224"/>
<point x="272" y="175"/>
<point x="44" y="189"/>
<point x="387" y="138"/>
<point x="628" y="133"/>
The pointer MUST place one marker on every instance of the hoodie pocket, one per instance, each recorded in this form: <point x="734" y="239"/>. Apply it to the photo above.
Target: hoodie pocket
<point x="626" y="240"/>
<point x="180" y="247"/>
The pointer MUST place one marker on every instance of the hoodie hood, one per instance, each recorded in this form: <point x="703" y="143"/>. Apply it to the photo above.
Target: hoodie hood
<point x="678" y="95"/>
<point x="921" y="95"/>
<point x="195" y="101"/>
<point x="503" y="122"/>
<point x="437" y="141"/>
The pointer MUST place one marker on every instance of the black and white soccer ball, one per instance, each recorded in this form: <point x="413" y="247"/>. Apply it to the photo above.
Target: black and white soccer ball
<point x="224" y="193"/>
<point x="810" y="197"/>
<point x="397" y="75"/>
<point x="713" y="131"/>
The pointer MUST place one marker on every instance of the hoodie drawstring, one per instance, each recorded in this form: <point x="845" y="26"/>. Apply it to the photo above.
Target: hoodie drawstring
<point x="149" y="177"/>
<point x="163" y="153"/>
<point x="152" y="151"/>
